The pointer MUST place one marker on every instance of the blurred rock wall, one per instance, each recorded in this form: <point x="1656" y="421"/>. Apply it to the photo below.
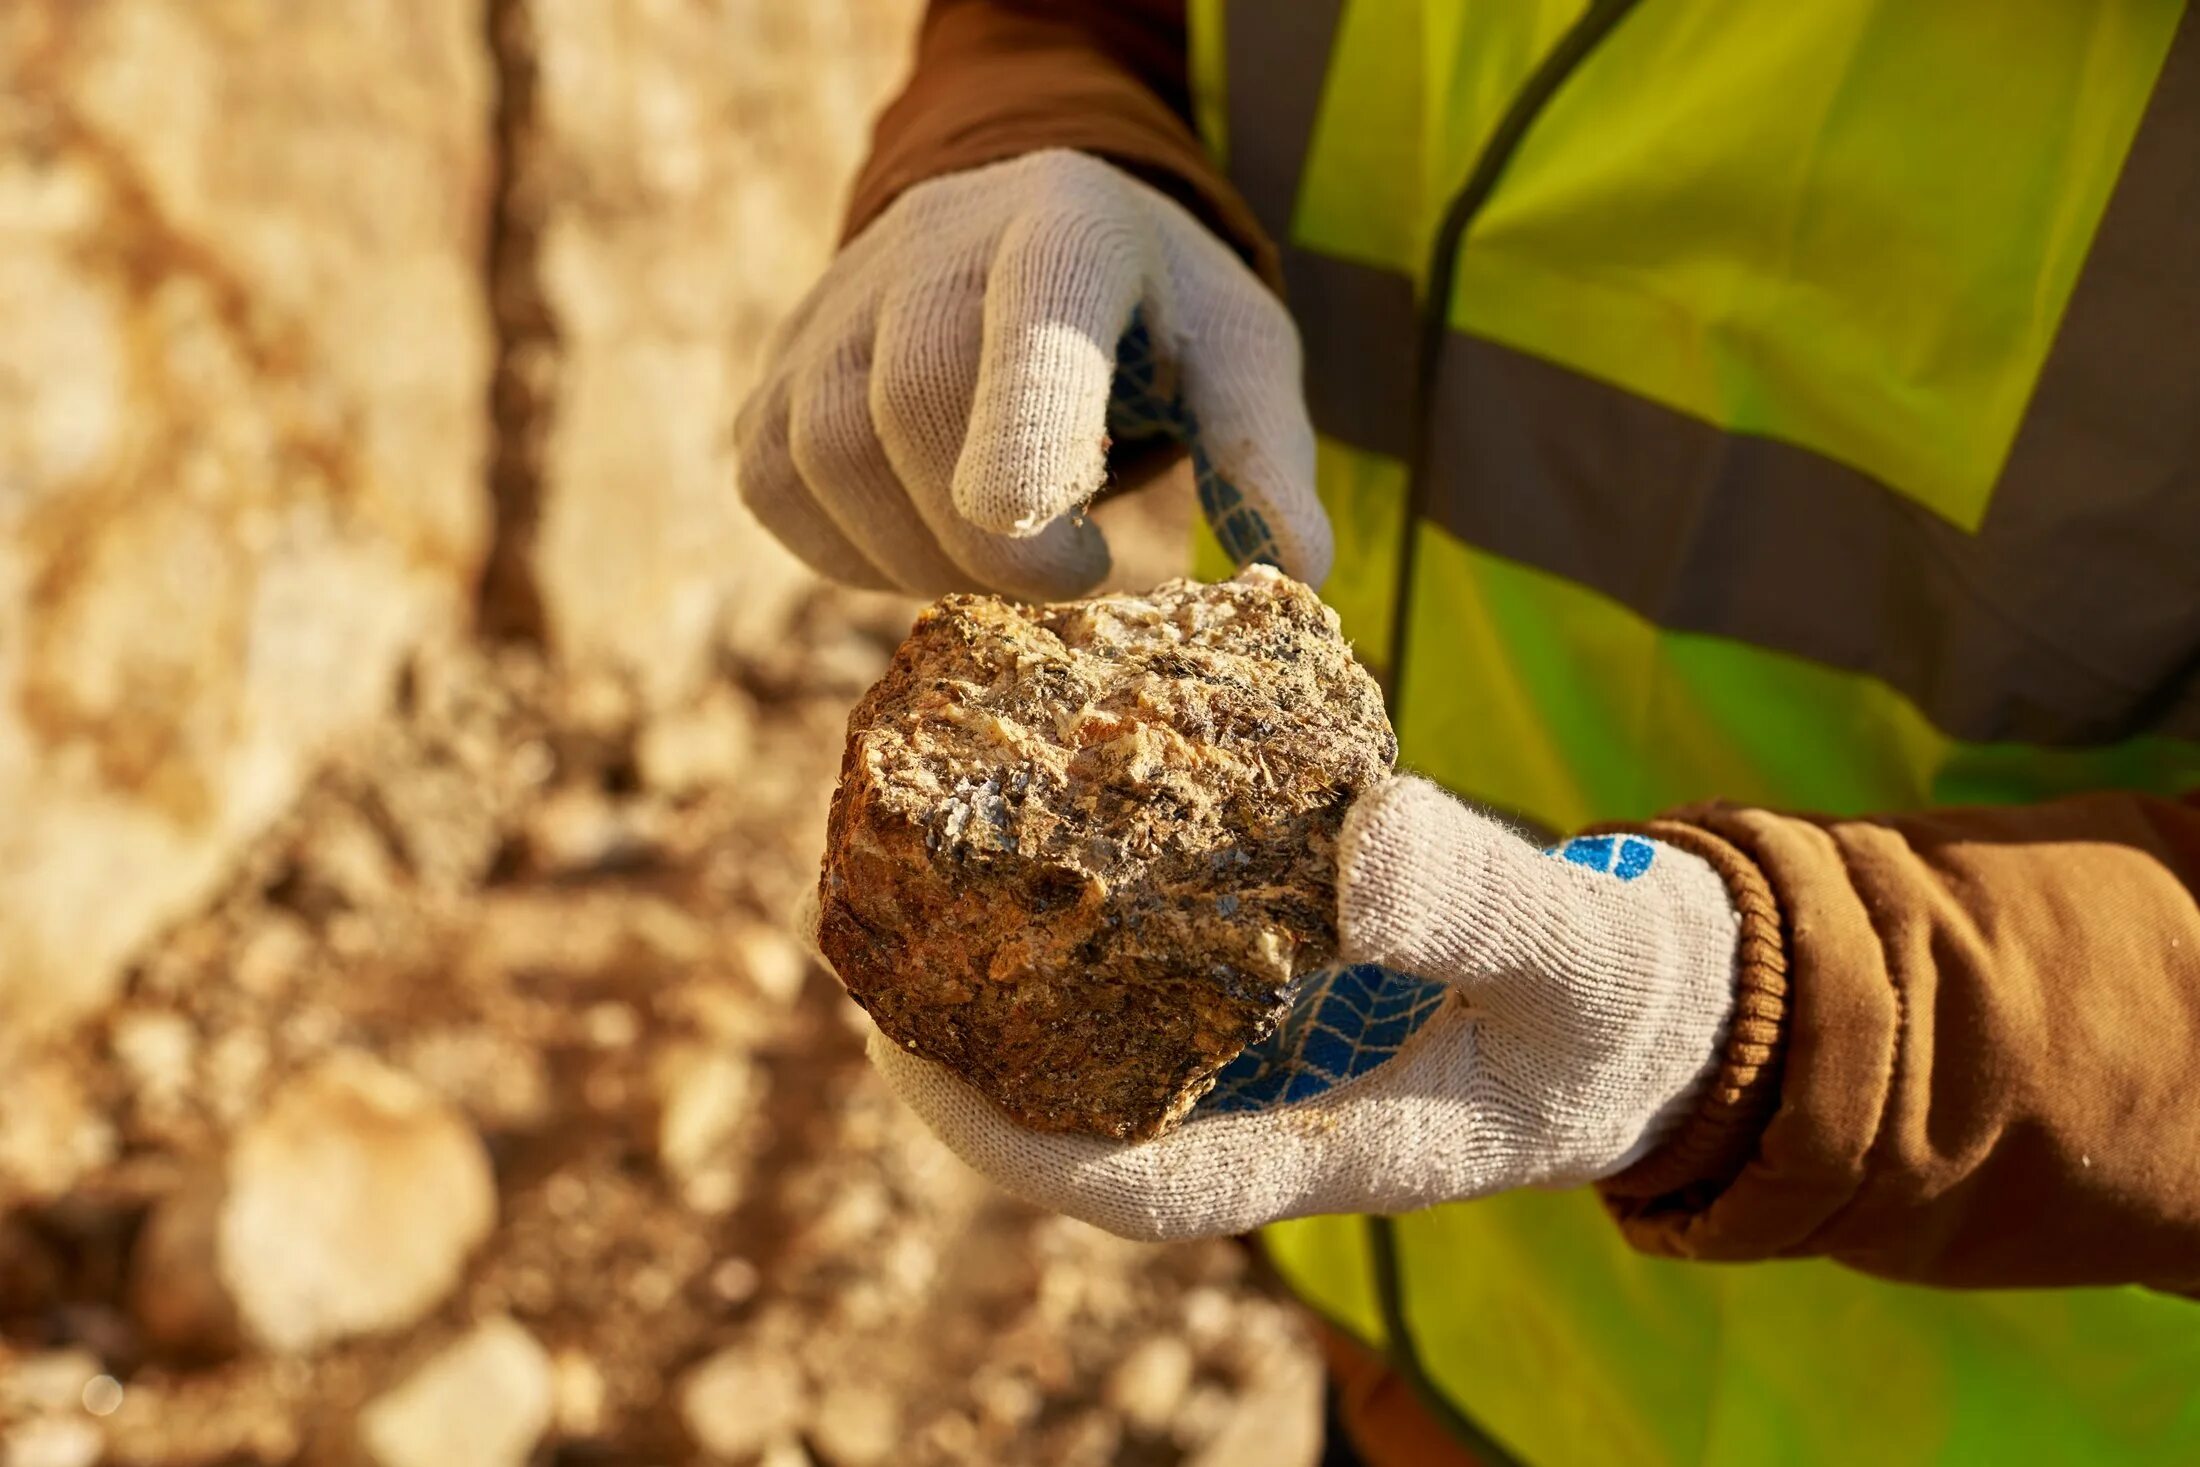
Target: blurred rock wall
<point x="680" y="180"/>
<point x="261" y="265"/>
<point x="243" y="357"/>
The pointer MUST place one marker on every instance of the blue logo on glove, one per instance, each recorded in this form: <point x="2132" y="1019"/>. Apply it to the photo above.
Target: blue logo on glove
<point x="1624" y="856"/>
<point x="1344" y="1023"/>
<point x="1140" y="407"/>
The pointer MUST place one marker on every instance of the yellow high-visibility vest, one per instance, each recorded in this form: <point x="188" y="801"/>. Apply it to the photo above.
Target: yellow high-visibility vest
<point x="1798" y="404"/>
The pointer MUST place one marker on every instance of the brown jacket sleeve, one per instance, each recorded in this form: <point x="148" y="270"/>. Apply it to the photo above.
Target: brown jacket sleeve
<point x="995" y="79"/>
<point x="1967" y="1053"/>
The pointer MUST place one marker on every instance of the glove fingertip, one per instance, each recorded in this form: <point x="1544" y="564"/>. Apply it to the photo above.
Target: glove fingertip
<point x="1016" y="486"/>
<point x="1380" y="908"/>
<point x="1260" y="510"/>
<point x="1310" y="560"/>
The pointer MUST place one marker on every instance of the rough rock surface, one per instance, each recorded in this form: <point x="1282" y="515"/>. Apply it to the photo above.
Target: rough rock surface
<point x="1080" y="852"/>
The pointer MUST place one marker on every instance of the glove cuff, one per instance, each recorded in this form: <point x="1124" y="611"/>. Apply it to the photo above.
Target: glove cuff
<point x="1708" y="1141"/>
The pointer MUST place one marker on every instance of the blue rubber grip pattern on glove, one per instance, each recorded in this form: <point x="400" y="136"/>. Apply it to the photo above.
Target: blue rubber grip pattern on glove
<point x="1623" y="856"/>
<point x="1144" y="404"/>
<point x="1346" y="1022"/>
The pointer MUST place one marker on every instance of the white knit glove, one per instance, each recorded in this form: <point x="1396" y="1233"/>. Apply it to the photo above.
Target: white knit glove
<point x="1569" y="1011"/>
<point x="940" y="407"/>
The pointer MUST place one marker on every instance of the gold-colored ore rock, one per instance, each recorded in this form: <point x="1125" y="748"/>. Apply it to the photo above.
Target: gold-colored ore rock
<point x="1080" y="853"/>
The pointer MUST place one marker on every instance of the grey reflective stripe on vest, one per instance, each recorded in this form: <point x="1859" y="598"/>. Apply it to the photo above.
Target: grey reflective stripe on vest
<point x="2072" y="616"/>
<point x="1274" y="72"/>
<point x="2002" y="635"/>
<point x="1359" y="323"/>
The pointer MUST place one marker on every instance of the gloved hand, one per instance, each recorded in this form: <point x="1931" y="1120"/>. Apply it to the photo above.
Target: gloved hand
<point x="1509" y="1018"/>
<point x="939" y="409"/>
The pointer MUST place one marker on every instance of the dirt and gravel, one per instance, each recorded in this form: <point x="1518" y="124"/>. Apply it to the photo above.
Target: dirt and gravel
<point x="457" y="1098"/>
<point x="490" y="1115"/>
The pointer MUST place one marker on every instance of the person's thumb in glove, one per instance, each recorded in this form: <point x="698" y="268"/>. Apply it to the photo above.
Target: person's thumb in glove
<point x="1601" y="971"/>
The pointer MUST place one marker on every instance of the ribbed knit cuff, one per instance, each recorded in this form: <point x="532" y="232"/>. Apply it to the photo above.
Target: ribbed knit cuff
<point x="1716" y="1141"/>
<point x="989" y="87"/>
<point x="1176" y="167"/>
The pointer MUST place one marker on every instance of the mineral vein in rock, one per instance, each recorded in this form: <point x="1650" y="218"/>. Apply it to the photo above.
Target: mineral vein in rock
<point x="1080" y="853"/>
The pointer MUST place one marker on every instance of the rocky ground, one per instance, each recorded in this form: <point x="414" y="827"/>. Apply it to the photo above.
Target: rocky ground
<point x="411" y="753"/>
<point x="491" y="1116"/>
